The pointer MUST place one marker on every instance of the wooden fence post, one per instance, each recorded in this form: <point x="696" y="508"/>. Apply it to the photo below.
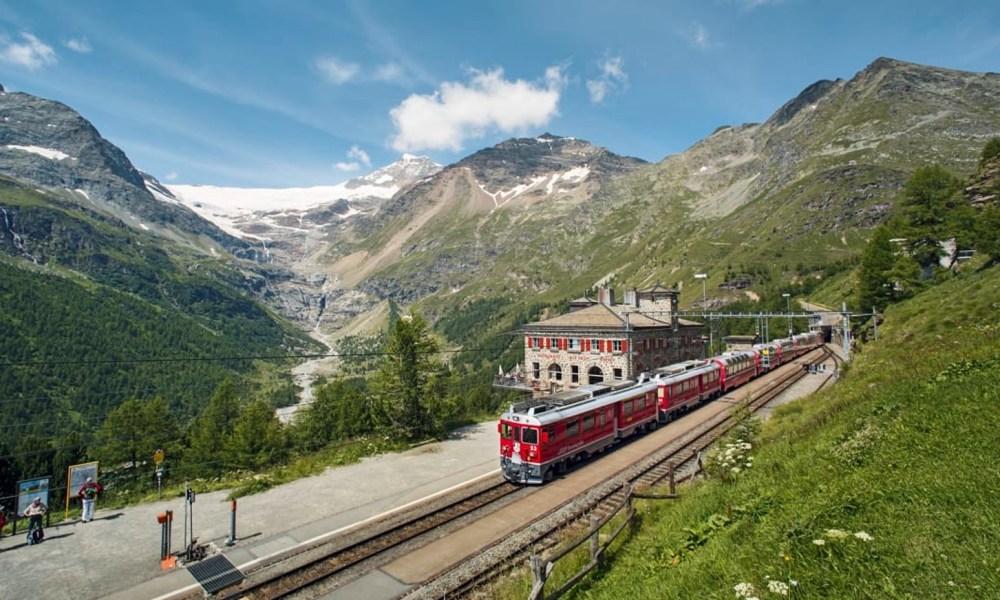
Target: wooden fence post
<point x="537" y="577"/>
<point x="673" y="482"/>
<point x="594" y="534"/>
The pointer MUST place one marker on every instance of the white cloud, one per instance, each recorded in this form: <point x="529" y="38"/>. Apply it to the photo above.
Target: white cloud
<point x="32" y="54"/>
<point x="390" y="73"/>
<point x="489" y="102"/>
<point x="612" y="78"/>
<point x="359" y="154"/>
<point x="171" y="176"/>
<point x="337" y="71"/>
<point x="79" y="45"/>
<point x="360" y="158"/>
<point x="700" y="36"/>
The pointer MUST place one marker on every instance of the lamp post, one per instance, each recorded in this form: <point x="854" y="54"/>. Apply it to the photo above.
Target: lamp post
<point x="788" y="310"/>
<point x="704" y="305"/>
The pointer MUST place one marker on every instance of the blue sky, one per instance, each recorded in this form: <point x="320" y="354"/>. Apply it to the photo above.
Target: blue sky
<point x="287" y="93"/>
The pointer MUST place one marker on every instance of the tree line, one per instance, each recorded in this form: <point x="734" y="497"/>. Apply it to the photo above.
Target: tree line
<point x="904" y="254"/>
<point x="413" y="395"/>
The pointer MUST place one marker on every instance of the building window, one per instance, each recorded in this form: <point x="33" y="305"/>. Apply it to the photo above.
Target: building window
<point x="574" y="374"/>
<point x="595" y="375"/>
<point x="536" y="370"/>
<point x="554" y="343"/>
<point x="616" y="346"/>
<point x="573" y="344"/>
<point x="618" y="375"/>
<point x="555" y="372"/>
<point x="536" y="342"/>
<point x="595" y="345"/>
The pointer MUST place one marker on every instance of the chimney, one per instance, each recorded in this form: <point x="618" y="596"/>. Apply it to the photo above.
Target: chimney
<point x="631" y="298"/>
<point x="674" y="319"/>
<point x="606" y="296"/>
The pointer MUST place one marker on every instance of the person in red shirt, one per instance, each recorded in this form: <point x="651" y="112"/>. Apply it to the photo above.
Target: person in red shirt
<point x="88" y="494"/>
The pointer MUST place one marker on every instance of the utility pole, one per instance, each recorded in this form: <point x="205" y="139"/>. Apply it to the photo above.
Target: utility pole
<point x="788" y="310"/>
<point x="847" y="331"/>
<point x="704" y="306"/>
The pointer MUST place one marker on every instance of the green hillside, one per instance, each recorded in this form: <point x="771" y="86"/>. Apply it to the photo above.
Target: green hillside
<point x="882" y="487"/>
<point x="93" y="313"/>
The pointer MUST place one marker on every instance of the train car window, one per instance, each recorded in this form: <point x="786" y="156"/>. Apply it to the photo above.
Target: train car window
<point x="548" y="434"/>
<point x="506" y="431"/>
<point x="603" y="419"/>
<point x="627" y="407"/>
<point x="640" y="403"/>
<point x="573" y="428"/>
<point x="529" y="435"/>
<point x="588" y="422"/>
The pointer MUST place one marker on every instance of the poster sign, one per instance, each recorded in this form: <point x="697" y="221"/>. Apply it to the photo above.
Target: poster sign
<point x="29" y="489"/>
<point x="76" y="476"/>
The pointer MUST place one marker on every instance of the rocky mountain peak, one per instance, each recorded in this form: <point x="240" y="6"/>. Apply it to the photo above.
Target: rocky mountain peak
<point x="514" y="160"/>
<point x="46" y="144"/>
<point x="406" y="170"/>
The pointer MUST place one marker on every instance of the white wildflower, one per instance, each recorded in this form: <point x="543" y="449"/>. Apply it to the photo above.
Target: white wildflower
<point x="777" y="587"/>
<point x="864" y="537"/>
<point x="735" y="469"/>
<point x="836" y="534"/>
<point x="743" y="590"/>
<point x="819" y="542"/>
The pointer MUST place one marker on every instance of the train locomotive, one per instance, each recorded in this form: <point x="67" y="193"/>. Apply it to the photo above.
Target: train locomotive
<point x="542" y="437"/>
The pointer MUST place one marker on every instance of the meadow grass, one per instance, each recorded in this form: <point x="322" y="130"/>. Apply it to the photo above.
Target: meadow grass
<point x="884" y="486"/>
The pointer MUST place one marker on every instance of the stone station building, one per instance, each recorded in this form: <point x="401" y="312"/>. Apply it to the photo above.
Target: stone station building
<point x="600" y="341"/>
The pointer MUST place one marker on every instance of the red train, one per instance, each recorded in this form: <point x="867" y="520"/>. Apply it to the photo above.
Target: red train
<point x="542" y="437"/>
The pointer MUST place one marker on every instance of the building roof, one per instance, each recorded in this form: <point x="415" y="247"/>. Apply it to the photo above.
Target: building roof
<point x="601" y="316"/>
<point x="658" y="289"/>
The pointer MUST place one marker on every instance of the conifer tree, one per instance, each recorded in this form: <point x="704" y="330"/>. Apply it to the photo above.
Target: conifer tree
<point x="212" y="430"/>
<point x="401" y="386"/>
<point x="258" y="439"/>
<point x="134" y="430"/>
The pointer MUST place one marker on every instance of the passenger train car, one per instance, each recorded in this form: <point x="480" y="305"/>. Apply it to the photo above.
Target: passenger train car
<point x="542" y="437"/>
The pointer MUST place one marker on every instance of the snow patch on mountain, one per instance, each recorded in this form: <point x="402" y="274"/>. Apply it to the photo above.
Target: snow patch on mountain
<point x="46" y="152"/>
<point x="230" y="207"/>
<point x="573" y="176"/>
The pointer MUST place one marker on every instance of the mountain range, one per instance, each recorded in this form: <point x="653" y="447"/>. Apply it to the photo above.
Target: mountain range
<point x="527" y="223"/>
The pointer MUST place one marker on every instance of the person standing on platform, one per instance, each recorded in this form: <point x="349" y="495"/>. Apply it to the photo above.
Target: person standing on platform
<point x="88" y="494"/>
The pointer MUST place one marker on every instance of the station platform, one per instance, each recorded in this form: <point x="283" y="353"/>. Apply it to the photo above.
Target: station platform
<point x="117" y="555"/>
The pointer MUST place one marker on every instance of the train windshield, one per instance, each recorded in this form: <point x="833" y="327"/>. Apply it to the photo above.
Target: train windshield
<point x="506" y="431"/>
<point x="529" y="435"/>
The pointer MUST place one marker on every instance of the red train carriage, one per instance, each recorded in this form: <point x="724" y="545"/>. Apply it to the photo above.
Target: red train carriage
<point x="685" y="389"/>
<point x="804" y="342"/>
<point x="775" y="353"/>
<point x="541" y="438"/>
<point x="737" y="368"/>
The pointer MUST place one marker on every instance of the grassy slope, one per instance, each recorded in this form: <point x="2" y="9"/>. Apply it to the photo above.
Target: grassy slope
<point x="903" y="449"/>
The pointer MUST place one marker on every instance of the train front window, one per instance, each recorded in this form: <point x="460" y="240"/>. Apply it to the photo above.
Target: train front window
<point x="529" y="435"/>
<point x="506" y="431"/>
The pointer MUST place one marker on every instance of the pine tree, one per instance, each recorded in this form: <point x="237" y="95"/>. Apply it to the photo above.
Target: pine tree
<point x="133" y="431"/>
<point x="401" y="386"/>
<point x="212" y="430"/>
<point x="258" y="439"/>
<point x="932" y="209"/>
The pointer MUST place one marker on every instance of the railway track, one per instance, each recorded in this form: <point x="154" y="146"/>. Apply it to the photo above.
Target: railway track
<point x="324" y="567"/>
<point x="342" y="557"/>
<point x="680" y="457"/>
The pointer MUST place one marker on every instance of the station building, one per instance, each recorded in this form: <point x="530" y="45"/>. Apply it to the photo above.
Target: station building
<point x="600" y="341"/>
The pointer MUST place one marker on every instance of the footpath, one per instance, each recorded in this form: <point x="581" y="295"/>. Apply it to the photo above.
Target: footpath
<point x="117" y="555"/>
